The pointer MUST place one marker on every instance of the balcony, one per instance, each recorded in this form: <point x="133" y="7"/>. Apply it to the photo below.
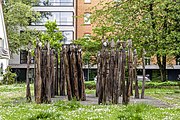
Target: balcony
<point x="57" y="3"/>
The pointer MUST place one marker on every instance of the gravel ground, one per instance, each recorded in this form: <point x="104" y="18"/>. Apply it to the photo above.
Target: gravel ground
<point x="92" y="100"/>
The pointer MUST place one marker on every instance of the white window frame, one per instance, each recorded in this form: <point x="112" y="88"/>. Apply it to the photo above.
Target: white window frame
<point x="87" y="18"/>
<point x="87" y="1"/>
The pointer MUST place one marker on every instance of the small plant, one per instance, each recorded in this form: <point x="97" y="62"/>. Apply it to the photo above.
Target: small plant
<point x="8" y="77"/>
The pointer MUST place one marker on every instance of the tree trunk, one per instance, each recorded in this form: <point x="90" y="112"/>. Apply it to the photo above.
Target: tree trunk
<point x="144" y="74"/>
<point x="28" y="92"/>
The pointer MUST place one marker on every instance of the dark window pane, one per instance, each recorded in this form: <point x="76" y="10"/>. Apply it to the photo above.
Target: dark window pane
<point x="61" y="18"/>
<point x="23" y="57"/>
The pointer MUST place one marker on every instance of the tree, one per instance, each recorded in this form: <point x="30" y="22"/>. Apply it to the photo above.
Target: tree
<point x="153" y="25"/>
<point x="18" y="14"/>
<point x="53" y="35"/>
<point x="89" y="47"/>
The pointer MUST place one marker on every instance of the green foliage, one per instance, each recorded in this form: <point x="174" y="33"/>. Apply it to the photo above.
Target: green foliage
<point x="67" y="105"/>
<point x="89" y="47"/>
<point x="41" y="115"/>
<point x="160" y="84"/>
<point x="52" y="34"/>
<point x="133" y="112"/>
<point x="18" y="14"/>
<point x="156" y="29"/>
<point x="90" y="85"/>
<point x="8" y="77"/>
<point x="151" y="24"/>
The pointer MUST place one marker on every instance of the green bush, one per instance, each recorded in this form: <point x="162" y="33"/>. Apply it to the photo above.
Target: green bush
<point x="8" y="77"/>
<point x="159" y="84"/>
<point x="90" y="85"/>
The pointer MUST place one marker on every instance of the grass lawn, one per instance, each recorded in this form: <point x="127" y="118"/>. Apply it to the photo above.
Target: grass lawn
<point x="170" y="96"/>
<point x="13" y="108"/>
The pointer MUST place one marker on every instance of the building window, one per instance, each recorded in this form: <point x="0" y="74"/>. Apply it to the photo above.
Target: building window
<point x="23" y="57"/>
<point x="87" y="36"/>
<point x="178" y="61"/>
<point x="87" y="18"/>
<point x="147" y="60"/>
<point x="55" y="3"/>
<point x="68" y="37"/>
<point x="87" y="1"/>
<point x="61" y="18"/>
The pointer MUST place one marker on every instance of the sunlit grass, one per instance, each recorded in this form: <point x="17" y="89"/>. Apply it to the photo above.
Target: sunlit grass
<point x="171" y="96"/>
<point x="13" y="106"/>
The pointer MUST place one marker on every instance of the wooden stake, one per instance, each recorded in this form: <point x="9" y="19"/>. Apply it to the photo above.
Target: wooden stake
<point x="28" y="92"/>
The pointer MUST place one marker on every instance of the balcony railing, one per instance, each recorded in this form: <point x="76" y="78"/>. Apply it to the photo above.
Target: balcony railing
<point x="62" y="23"/>
<point x="54" y="4"/>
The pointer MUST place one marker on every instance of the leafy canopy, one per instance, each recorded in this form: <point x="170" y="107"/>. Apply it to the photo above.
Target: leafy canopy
<point x="18" y="14"/>
<point x="53" y="35"/>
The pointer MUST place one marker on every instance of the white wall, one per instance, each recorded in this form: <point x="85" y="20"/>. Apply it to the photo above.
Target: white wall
<point x="15" y="59"/>
<point x="3" y="42"/>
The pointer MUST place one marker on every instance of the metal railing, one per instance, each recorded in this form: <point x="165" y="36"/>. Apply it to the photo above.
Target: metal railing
<point x="53" y="3"/>
<point x="68" y="23"/>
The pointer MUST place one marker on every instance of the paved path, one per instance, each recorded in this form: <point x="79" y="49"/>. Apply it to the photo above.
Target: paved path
<point x="92" y="100"/>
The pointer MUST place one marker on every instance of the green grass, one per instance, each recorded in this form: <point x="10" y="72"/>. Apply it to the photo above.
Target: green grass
<point x="170" y="96"/>
<point x="12" y="108"/>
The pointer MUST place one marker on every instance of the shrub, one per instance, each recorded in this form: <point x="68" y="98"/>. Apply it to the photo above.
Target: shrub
<point x="90" y="85"/>
<point x="8" y="77"/>
<point x="159" y="84"/>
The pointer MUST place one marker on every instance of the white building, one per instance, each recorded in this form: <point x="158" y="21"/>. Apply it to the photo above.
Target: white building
<point x="4" y="49"/>
<point x="63" y="11"/>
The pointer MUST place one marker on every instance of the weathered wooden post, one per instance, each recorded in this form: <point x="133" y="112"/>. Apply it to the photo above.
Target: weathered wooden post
<point x="62" y="74"/>
<point x="98" y="74"/>
<point x="112" y="72"/>
<point x="144" y="74"/>
<point x="66" y="71"/>
<point x="75" y="72"/>
<point x="52" y="75"/>
<point x="124" y="97"/>
<point x="116" y="80"/>
<point x="44" y="72"/>
<point x="135" y="75"/>
<point x="56" y="74"/>
<point x="80" y="75"/>
<point x="48" y="76"/>
<point x="28" y="92"/>
<point x="119" y="57"/>
<point x="38" y="82"/>
<point x="130" y="71"/>
<point x="105" y="77"/>
<point x="101" y="81"/>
